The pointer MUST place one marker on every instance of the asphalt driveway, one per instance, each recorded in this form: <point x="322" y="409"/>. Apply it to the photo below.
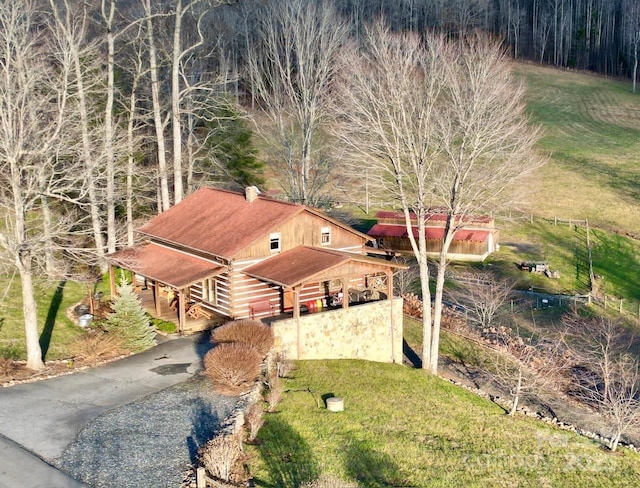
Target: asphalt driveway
<point x="51" y="418"/>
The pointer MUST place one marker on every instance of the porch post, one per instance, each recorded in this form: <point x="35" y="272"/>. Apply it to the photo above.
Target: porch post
<point x="345" y="291"/>
<point x="112" y="281"/>
<point x="156" y="297"/>
<point x="182" y="311"/>
<point x="389" y="274"/>
<point x="296" y="316"/>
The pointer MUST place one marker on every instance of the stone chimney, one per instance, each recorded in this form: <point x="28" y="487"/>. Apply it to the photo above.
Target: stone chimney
<point x="251" y="193"/>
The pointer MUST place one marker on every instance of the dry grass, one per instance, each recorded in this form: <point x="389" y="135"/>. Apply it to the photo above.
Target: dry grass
<point x="284" y="366"/>
<point x="7" y="368"/>
<point x="254" y="420"/>
<point x="252" y="333"/>
<point x="97" y="345"/>
<point x="233" y="368"/>
<point x="273" y="396"/>
<point x="329" y="482"/>
<point x="222" y="457"/>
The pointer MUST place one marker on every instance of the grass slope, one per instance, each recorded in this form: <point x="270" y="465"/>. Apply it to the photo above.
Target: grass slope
<point x="403" y="427"/>
<point x="56" y="330"/>
<point x="592" y="128"/>
<point x="564" y="247"/>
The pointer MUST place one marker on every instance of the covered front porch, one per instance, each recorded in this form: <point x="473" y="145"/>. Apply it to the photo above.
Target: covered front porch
<point x="191" y="324"/>
<point x="163" y="278"/>
<point x="313" y="279"/>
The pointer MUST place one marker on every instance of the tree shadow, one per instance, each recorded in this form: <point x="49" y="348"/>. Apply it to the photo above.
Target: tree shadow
<point x="203" y="343"/>
<point x="411" y="355"/>
<point x="286" y="455"/>
<point x="371" y="469"/>
<point x="50" y="321"/>
<point x="204" y="424"/>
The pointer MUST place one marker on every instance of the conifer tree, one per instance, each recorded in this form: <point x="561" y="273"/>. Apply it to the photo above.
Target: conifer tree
<point x="129" y="321"/>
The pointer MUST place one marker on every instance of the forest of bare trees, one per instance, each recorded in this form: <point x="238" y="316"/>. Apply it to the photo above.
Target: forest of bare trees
<point x="596" y="35"/>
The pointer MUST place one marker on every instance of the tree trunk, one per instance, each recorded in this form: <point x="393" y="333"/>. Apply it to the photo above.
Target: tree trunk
<point x="635" y="66"/>
<point x="175" y="105"/>
<point x="108" y="130"/>
<point x="157" y="113"/>
<point x="29" y="311"/>
<point x="615" y="440"/>
<point x="516" y="394"/>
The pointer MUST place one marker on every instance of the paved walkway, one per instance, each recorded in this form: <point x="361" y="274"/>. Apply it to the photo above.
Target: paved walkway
<point x="44" y="417"/>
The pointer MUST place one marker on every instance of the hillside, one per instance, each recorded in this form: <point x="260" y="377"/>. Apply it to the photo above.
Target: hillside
<point x="592" y="135"/>
<point x="402" y="427"/>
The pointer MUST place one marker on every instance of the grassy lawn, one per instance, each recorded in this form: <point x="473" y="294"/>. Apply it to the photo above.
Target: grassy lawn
<point x="591" y="133"/>
<point x="57" y="331"/>
<point x="563" y="247"/>
<point x="403" y="427"/>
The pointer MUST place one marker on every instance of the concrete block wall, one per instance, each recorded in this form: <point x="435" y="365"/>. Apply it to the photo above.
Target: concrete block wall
<point x="359" y="332"/>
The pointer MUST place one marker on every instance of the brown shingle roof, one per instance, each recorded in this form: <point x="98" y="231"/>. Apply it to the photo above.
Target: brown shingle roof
<point x="218" y="222"/>
<point x="301" y="263"/>
<point x="166" y="265"/>
<point x="223" y="223"/>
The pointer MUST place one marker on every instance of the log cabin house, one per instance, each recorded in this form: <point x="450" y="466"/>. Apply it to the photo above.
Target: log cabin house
<point x="228" y="255"/>
<point x="474" y="242"/>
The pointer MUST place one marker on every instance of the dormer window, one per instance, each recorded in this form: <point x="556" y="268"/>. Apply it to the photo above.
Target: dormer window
<point x="274" y="241"/>
<point x="325" y="235"/>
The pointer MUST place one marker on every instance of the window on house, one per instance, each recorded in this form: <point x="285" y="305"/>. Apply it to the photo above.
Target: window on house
<point x="325" y="235"/>
<point x="274" y="241"/>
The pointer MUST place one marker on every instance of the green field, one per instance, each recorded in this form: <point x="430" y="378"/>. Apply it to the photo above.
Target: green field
<point x="57" y="330"/>
<point x="615" y="258"/>
<point x="402" y="427"/>
<point x="592" y="137"/>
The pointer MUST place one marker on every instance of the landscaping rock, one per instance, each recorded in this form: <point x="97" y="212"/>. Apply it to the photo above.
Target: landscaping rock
<point x="148" y="443"/>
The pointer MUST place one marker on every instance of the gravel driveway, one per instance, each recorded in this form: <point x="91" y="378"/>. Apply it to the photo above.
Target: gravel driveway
<point x="147" y="443"/>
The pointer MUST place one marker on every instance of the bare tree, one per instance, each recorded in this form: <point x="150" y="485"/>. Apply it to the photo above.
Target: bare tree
<point x="160" y="121"/>
<point x="620" y="403"/>
<point x="606" y="374"/>
<point x="178" y="55"/>
<point x="632" y="31"/>
<point x="108" y="12"/>
<point x="33" y="135"/>
<point x="486" y="144"/>
<point x="444" y="127"/>
<point x="482" y="297"/>
<point x="134" y="126"/>
<point x="404" y="279"/>
<point x="387" y="104"/>
<point x="291" y="67"/>
<point x="596" y="342"/>
<point x="526" y="368"/>
<point x="71" y="35"/>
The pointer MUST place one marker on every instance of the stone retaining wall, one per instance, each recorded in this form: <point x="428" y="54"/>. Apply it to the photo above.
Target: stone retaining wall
<point x="371" y="331"/>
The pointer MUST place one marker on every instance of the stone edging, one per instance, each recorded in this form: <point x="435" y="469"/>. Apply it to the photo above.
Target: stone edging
<point x="539" y="416"/>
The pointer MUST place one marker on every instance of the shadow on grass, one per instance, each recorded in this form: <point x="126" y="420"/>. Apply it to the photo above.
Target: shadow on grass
<point x="615" y="258"/>
<point x="50" y="321"/>
<point x="371" y="469"/>
<point x="286" y="455"/>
